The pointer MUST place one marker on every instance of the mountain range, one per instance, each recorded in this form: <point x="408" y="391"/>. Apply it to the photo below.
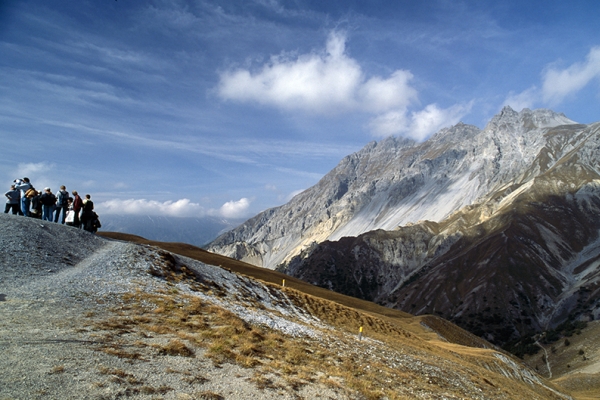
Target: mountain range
<point x="495" y="229"/>
<point x="196" y="231"/>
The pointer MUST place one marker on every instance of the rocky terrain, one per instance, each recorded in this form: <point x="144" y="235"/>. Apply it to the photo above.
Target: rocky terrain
<point x="395" y="182"/>
<point x="496" y="230"/>
<point x="84" y="317"/>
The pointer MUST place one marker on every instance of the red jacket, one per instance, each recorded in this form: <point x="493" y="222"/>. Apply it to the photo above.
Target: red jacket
<point x="77" y="203"/>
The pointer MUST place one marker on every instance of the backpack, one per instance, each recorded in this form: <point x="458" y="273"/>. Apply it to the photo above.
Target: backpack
<point x="31" y="193"/>
<point x="62" y="198"/>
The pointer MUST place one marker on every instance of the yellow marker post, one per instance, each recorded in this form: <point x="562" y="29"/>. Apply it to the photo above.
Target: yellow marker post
<point x="360" y="330"/>
<point x="283" y="284"/>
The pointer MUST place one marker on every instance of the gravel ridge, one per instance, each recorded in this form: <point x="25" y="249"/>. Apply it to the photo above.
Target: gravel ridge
<point x="52" y="277"/>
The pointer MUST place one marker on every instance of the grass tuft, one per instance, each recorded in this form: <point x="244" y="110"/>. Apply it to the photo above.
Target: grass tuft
<point x="176" y="347"/>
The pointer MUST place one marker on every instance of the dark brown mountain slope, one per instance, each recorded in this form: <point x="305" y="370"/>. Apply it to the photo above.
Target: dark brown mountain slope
<point x="529" y="267"/>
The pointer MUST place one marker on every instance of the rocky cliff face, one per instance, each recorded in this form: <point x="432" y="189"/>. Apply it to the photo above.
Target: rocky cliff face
<point x="495" y="229"/>
<point x="524" y="260"/>
<point x="395" y="182"/>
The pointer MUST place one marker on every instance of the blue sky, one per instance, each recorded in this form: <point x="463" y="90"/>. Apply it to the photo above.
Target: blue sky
<point x="226" y="108"/>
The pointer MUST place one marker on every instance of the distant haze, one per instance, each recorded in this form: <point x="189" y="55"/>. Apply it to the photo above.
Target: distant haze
<point x="195" y="231"/>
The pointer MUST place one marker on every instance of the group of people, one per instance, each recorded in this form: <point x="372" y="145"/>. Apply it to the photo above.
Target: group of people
<point x="23" y="199"/>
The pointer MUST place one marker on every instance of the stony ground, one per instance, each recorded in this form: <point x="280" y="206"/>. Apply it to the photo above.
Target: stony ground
<point x="76" y="322"/>
<point x="56" y="284"/>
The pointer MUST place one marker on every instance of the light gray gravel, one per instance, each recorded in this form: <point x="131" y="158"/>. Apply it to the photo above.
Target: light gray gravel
<point x="53" y="276"/>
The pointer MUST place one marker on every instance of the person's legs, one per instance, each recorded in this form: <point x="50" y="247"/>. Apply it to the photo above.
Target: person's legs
<point x="57" y="210"/>
<point x="25" y="203"/>
<point x="7" y="207"/>
<point x="46" y="213"/>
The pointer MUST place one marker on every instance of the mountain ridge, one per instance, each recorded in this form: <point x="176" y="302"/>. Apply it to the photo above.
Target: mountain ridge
<point x="519" y="195"/>
<point x="394" y="182"/>
<point x="539" y="238"/>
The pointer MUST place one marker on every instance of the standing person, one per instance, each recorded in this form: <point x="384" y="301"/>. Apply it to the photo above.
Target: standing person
<point x="36" y="205"/>
<point x="88" y="204"/>
<point x="48" y="201"/>
<point x="13" y="197"/>
<point x="62" y="203"/>
<point x="24" y="185"/>
<point x="77" y="206"/>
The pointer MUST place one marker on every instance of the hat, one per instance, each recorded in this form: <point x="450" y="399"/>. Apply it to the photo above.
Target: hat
<point x="47" y="189"/>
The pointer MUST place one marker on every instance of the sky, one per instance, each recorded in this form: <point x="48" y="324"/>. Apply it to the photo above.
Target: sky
<point x="227" y="108"/>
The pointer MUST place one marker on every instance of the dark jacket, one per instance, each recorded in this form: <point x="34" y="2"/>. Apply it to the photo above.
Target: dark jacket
<point x="90" y="221"/>
<point x="48" y="199"/>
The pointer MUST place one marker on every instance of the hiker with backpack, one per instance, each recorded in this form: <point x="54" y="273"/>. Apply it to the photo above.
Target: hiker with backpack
<point x="62" y="203"/>
<point x="36" y="206"/>
<point x="27" y="193"/>
<point x="48" y="200"/>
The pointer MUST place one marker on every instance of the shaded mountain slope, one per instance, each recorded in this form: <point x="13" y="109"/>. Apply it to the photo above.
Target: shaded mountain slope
<point x="525" y="261"/>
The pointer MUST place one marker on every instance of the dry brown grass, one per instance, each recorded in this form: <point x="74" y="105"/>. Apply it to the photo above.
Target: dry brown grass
<point x="176" y="348"/>
<point x="262" y="274"/>
<point x="337" y="359"/>
<point x="208" y="395"/>
<point x="227" y="338"/>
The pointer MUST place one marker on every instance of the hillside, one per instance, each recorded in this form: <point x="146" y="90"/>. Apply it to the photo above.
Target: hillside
<point x="109" y="319"/>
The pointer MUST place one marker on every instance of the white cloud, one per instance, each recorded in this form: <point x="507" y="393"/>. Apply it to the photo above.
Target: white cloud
<point x="420" y="124"/>
<point x="324" y="83"/>
<point x="179" y="208"/>
<point x="559" y="84"/>
<point x="235" y="209"/>
<point x="331" y="82"/>
<point x="41" y="175"/>
<point x="379" y="95"/>
<point x="526" y="99"/>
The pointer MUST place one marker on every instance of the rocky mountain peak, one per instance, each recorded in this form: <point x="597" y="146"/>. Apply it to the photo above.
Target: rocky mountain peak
<point x="527" y="119"/>
<point x="397" y="181"/>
